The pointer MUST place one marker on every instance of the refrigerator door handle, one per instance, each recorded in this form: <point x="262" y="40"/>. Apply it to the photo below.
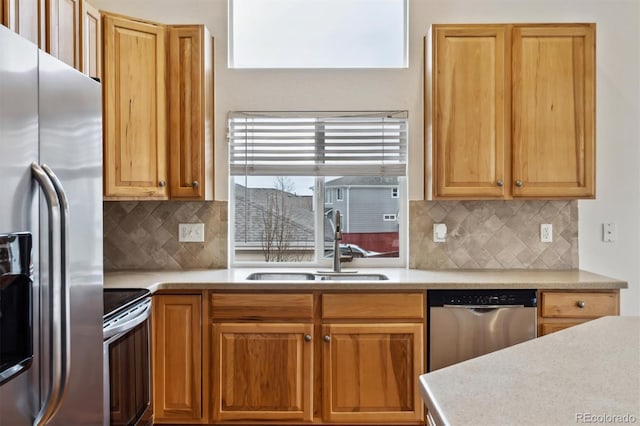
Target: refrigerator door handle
<point x="65" y="283"/>
<point x="54" y="392"/>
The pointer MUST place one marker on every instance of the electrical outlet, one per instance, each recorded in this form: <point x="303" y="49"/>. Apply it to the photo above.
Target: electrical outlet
<point x="608" y="232"/>
<point x="191" y="232"/>
<point x="439" y="232"/>
<point x="546" y="232"/>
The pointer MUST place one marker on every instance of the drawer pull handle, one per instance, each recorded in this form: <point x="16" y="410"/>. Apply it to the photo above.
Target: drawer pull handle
<point x="327" y="338"/>
<point x="307" y="337"/>
<point x="162" y="184"/>
<point x="195" y="184"/>
<point x="580" y="304"/>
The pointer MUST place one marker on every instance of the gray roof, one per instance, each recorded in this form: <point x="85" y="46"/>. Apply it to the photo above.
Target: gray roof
<point x="250" y="214"/>
<point x="363" y="181"/>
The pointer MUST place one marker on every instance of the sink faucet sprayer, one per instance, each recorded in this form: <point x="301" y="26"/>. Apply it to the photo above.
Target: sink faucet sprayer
<point x="336" y="244"/>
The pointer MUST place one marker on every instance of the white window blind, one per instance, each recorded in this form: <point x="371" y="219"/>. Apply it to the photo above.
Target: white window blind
<point x="318" y="144"/>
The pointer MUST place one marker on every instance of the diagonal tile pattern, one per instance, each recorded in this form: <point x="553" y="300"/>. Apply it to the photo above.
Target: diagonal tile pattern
<point x="493" y="234"/>
<point x="481" y="235"/>
<point x="144" y="235"/>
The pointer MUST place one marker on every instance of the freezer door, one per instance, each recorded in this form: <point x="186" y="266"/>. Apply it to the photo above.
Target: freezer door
<point x="18" y="195"/>
<point x="70" y="120"/>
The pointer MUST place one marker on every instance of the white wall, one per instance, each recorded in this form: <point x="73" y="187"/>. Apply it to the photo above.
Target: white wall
<point x="618" y="101"/>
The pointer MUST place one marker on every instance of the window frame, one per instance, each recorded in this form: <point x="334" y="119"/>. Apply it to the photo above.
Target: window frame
<point x="390" y="167"/>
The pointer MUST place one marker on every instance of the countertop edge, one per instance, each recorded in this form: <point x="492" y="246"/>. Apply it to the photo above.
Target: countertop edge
<point x="401" y="280"/>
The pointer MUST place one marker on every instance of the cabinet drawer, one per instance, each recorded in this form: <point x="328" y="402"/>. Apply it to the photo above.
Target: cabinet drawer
<point x="368" y="306"/>
<point x="241" y="306"/>
<point x="579" y="304"/>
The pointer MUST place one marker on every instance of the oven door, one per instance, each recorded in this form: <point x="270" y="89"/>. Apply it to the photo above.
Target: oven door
<point x="127" y="378"/>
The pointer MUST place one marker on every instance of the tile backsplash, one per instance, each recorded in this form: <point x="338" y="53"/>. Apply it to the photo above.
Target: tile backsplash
<point x="480" y="235"/>
<point x="493" y="235"/>
<point x="144" y="235"/>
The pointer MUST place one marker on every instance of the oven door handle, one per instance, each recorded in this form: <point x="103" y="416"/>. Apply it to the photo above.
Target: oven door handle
<point x="141" y="315"/>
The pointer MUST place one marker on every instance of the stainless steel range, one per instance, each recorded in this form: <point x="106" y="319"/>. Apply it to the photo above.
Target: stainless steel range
<point x="127" y="374"/>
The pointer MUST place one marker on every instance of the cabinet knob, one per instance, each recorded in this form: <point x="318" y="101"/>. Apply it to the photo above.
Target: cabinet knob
<point x="500" y="183"/>
<point x="162" y="184"/>
<point x="307" y="337"/>
<point x="195" y="184"/>
<point x="519" y="183"/>
<point x="327" y="338"/>
<point x="581" y="304"/>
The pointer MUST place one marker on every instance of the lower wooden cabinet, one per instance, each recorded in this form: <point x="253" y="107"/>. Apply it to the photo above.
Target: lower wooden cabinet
<point x="263" y="371"/>
<point x="370" y="372"/>
<point x="560" y="309"/>
<point x="177" y="358"/>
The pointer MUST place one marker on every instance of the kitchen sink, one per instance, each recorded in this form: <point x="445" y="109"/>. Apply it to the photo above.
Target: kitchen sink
<point x="307" y="276"/>
<point x="282" y="276"/>
<point x="351" y="277"/>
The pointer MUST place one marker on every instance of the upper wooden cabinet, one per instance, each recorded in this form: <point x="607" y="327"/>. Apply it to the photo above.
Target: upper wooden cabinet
<point x="135" y="150"/>
<point x="91" y="40"/>
<point x="62" y="28"/>
<point x="513" y="111"/>
<point x="22" y="16"/>
<point x="190" y="80"/>
<point x="158" y="131"/>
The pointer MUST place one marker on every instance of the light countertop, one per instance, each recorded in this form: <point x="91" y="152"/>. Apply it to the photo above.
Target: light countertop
<point x="399" y="279"/>
<point x="589" y="373"/>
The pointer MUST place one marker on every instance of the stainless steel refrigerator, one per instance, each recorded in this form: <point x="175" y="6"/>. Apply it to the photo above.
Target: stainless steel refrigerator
<point x="50" y="162"/>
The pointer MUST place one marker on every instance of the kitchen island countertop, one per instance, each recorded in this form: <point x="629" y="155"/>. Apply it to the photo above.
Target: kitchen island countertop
<point x="589" y="373"/>
<point x="399" y="279"/>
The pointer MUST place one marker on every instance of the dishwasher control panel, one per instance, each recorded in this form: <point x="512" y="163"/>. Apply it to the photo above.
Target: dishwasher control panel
<point x="525" y="298"/>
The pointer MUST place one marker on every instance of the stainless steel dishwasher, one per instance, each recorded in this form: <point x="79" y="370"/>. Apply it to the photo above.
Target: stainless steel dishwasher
<point x="464" y="324"/>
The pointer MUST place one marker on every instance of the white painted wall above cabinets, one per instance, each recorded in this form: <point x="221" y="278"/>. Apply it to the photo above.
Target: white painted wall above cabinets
<point x="618" y="101"/>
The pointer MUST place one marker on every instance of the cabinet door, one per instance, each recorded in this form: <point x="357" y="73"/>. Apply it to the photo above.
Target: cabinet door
<point x="470" y="111"/>
<point x="190" y="74"/>
<point x="262" y="371"/>
<point x="554" y="111"/>
<point x="371" y="372"/>
<point x="177" y="358"/>
<point x="22" y="16"/>
<point x="135" y="154"/>
<point x="63" y="30"/>
<point x="91" y="41"/>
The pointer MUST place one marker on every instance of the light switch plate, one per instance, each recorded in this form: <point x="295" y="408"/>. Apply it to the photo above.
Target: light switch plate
<point x="191" y="232"/>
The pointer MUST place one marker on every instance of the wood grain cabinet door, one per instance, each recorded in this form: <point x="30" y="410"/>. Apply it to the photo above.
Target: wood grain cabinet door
<point x="22" y="16"/>
<point x="370" y="372"/>
<point x="190" y="100"/>
<point x="135" y="157"/>
<point x="554" y="111"/>
<point x="91" y="40"/>
<point x="471" y="111"/>
<point x="177" y="358"/>
<point x="262" y="371"/>
<point x="63" y="31"/>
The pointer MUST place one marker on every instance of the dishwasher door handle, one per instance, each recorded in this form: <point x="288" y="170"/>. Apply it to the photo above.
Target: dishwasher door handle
<point x="482" y="306"/>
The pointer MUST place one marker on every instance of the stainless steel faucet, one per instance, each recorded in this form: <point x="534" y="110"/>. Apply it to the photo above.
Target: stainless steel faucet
<point x="337" y="236"/>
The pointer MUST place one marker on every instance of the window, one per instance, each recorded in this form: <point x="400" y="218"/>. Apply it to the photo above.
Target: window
<point x="318" y="33"/>
<point x="389" y="217"/>
<point x="283" y="167"/>
<point x="394" y="192"/>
